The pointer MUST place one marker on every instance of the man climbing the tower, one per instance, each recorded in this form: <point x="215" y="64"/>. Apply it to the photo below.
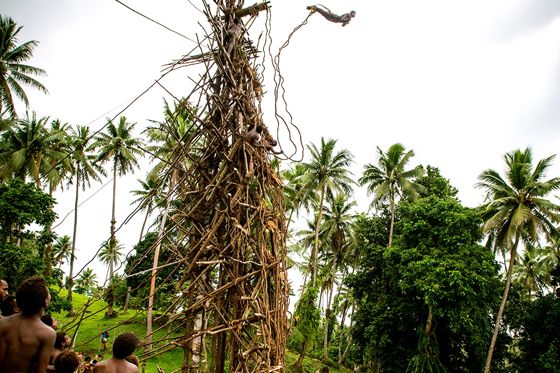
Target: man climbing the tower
<point x="344" y="19"/>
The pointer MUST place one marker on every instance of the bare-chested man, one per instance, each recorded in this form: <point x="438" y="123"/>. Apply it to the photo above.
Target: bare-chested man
<point x="4" y="291"/>
<point x="25" y="341"/>
<point x="124" y="346"/>
<point x="61" y="343"/>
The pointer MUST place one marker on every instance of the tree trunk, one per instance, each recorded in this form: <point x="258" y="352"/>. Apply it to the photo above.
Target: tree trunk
<point x="509" y="272"/>
<point x="328" y="315"/>
<point x="149" y="336"/>
<point x="144" y="223"/>
<point x="392" y="226"/>
<point x="349" y="342"/>
<point x="47" y="254"/>
<point x="299" y="362"/>
<point x="342" y="320"/>
<point x="315" y="251"/>
<point x="112" y="243"/>
<point x="127" y="299"/>
<point x="74" y="233"/>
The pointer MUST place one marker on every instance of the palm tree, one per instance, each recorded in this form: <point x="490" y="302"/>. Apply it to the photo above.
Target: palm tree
<point x="86" y="282"/>
<point x="169" y="147"/>
<point x="389" y="180"/>
<point x="337" y="223"/>
<point x="110" y="255"/>
<point x="28" y="150"/>
<point x="149" y="194"/>
<point x="518" y="209"/>
<point x="13" y="71"/>
<point x="118" y="146"/>
<point x="84" y="170"/>
<point x="327" y="172"/>
<point x="531" y="271"/>
<point x="62" y="250"/>
<point x="295" y="193"/>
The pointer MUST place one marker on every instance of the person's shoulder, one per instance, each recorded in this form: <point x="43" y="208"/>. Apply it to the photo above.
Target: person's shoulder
<point x="99" y="367"/>
<point x="8" y="322"/>
<point x="45" y="331"/>
<point x="131" y="368"/>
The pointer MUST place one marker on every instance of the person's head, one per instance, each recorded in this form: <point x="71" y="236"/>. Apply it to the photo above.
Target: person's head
<point x="87" y="359"/>
<point x="49" y="320"/>
<point x="67" y="362"/>
<point x="124" y="345"/>
<point x="133" y="359"/>
<point x="62" y="340"/>
<point x="4" y="289"/>
<point x="9" y="306"/>
<point x="33" y="295"/>
<point x="325" y="370"/>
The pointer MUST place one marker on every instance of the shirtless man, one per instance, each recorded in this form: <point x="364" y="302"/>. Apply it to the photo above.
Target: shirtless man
<point x="4" y="291"/>
<point x="25" y="341"/>
<point x="124" y="346"/>
<point x="61" y="343"/>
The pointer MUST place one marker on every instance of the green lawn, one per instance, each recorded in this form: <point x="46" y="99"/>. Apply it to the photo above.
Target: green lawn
<point x="88" y="341"/>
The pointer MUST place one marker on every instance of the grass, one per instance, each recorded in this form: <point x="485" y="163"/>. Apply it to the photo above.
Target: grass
<point x="94" y="322"/>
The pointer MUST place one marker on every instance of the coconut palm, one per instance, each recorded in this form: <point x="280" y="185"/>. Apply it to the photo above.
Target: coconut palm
<point x="13" y="70"/>
<point x="170" y="145"/>
<point x="338" y="219"/>
<point x="388" y="180"/>
<point x="531" y="271"/>
<point x="326" y="173"/>
<point x="86" y="282"/>
<point x="84" y="169"/>
<point x="118" y="146"/>
<point x="518" y="209"/>
<point x="296" y="195"/>
<point x="111" y="254"/>
<point x="62" y="250"/>
<point x="27" y="149"/>
<point x="147" y="196"/>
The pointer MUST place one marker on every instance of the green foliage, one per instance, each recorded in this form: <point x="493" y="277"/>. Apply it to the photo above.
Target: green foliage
<point x="307" y="315"/>
<point x="19" y="263"/>
<point x="22" y="204"/>
<point x="537" y="325"/>
<point x="436" y="261"/>
<point x="14" y="71"/>
<point x="427" y="358"/>
<point x="138" y="269"/>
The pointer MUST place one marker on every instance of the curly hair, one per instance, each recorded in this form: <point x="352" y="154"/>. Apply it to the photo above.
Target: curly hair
<point x="67" y="362"/>
<point x="60" y="340"/>
<point x="124" y="345"/>
<point x="31" y="295"/>
<point x="133" y="359"/>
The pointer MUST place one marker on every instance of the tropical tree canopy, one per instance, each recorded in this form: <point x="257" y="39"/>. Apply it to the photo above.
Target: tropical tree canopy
<point x="13" y="70"/>
<point x="518" y="209"/>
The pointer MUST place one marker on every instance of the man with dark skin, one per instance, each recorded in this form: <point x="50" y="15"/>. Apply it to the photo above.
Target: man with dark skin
<point x="4" y="289"/>
<point x="4" y="292"/>
<point x="61" y="343"/>
<point x="124" y="346"/>
<point x="25" y="341"/>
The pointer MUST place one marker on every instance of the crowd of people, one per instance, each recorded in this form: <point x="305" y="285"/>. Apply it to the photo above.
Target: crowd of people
<point x="30" y="343"/>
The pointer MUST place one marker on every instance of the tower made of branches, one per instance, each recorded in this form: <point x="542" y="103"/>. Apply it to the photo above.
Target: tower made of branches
<point x="228" y="211"/>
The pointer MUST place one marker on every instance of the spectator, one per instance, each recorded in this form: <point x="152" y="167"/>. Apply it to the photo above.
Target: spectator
<point x="4" y="292"/>
<point x="8" y="306"/>
<point x="67" y="361"/>
<point x="61" y="343"/>
<point x="26" y="342"/>
<point x="104" y="339"/>
<point x="50" y="321"/>
<point x="124" y="346"/>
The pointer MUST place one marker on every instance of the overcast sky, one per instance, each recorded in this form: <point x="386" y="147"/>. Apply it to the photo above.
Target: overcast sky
<point x="459" y="82"/>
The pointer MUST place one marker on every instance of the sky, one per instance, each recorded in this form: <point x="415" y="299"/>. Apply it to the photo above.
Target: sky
<point x="460" y="83"/>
